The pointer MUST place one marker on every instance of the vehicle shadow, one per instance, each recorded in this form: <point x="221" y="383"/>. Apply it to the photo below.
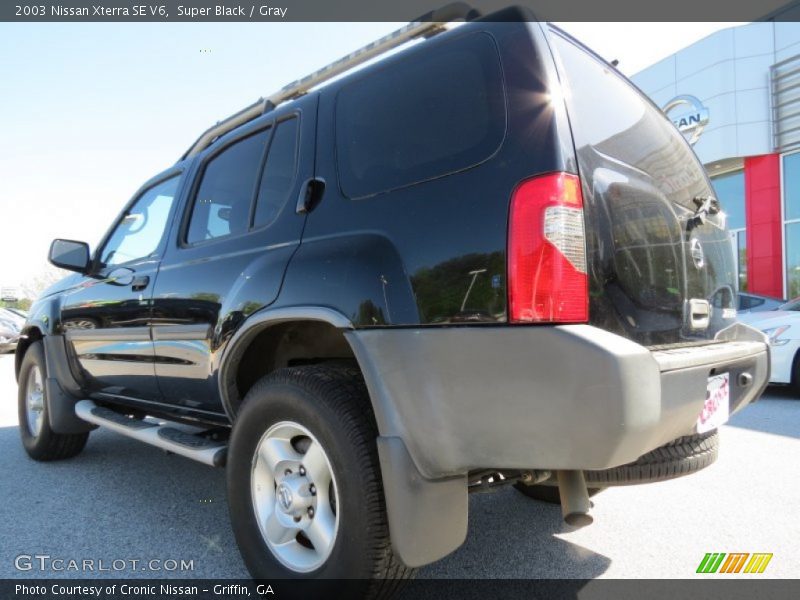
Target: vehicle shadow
<point x="511" y="541"/>
<point x="118" y="500"/>
<point x="777" y="412"/>
<point x="781" y="392"/>
<point x="511" y="536"/>
<point x="121" y="499"/>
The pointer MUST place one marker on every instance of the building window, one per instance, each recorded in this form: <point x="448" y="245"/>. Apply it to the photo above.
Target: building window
<point x="729" y="189"/>
<point x="792" y="235"/>
<point x="791" y="224"/>
<point x="741" y="257"/>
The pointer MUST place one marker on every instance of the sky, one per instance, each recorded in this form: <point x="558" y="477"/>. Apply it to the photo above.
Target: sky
<point x="89" y="111"/>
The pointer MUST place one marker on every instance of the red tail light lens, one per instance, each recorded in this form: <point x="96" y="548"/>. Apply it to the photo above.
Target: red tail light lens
<point x="547" y="280"/>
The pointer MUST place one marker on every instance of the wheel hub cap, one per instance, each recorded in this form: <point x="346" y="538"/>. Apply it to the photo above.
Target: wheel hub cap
<point x="34" y="401"/>
<point x="294" y="496"/>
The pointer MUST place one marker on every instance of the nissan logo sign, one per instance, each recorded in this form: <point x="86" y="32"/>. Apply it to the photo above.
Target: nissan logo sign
<point x="689" y="115"/>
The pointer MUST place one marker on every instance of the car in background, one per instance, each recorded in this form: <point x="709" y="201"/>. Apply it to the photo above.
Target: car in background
<point x="19" y="312"/>
<point x="782" y="326"/>
<point x="8" y="314"/>
<point x="10" y="327"/>
<point x="747" y="303"/>
<point x="792" y="305"/>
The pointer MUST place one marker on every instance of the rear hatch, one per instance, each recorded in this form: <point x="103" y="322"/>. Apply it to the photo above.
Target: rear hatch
<point x="660" y="267"/>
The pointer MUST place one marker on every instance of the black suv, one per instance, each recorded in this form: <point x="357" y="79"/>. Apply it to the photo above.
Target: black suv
<point x="487" y="259"/>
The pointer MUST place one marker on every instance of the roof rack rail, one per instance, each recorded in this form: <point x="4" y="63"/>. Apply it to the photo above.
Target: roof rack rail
<point x="427" y="25"/>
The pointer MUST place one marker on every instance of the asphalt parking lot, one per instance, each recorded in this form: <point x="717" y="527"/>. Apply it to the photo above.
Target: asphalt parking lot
<point x="121" y="499"/>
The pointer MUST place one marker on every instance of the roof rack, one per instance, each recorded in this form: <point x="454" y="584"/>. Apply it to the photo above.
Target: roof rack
<point x="427" y="25"/>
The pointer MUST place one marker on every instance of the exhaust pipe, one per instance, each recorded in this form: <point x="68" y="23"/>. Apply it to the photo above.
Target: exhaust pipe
<point x="574" y="498"/>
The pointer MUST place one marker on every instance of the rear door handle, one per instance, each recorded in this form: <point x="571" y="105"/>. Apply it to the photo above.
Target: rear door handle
<point x="140" y="283"/>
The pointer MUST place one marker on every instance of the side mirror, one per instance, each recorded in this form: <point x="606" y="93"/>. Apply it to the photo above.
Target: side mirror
<point x="70" y="255"/>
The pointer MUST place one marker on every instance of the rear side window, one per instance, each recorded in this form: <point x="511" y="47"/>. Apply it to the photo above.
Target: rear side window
<point x="225" y="195"/>
<point x="430" y="115"/>
<point x="279" y="173"/>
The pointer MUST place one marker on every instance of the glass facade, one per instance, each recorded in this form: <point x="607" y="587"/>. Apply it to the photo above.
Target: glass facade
<point x="791" y="224"/>
<point x="791" y="187"/>
<point x="792" y="259"/>
<point x="729" y="189"/>
<point x="741" y="258"/>
<point x="730" y="192"/>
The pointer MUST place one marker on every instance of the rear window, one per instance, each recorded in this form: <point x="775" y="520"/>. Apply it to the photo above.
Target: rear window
<point x="609" y="115"/>
<point x="430" y="115"/>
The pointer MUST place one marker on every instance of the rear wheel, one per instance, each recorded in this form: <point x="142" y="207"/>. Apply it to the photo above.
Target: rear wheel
<point x="304" y="482"/>
<point x="38" y="439"/>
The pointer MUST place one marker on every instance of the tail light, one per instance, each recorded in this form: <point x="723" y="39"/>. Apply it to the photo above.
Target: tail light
<point x="547" y="280"/>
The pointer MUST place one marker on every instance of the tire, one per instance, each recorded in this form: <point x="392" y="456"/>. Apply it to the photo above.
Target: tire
<point x="288" y="416"/>
<point x="39" y="440"/>
<point x="796" y="374"/>
<point x="547" y="493"/>
<point x="680" y="457"/>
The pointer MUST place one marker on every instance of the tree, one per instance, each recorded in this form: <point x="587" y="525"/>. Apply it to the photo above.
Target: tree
<point x="46" y="277"/>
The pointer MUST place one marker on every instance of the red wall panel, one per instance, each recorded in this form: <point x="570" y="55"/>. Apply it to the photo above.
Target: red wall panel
<point x="762" y="184"/>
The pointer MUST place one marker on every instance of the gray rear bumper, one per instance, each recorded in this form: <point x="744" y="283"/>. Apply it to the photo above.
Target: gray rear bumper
<point x="456" y="399"/>
<point x="565" y="397"/>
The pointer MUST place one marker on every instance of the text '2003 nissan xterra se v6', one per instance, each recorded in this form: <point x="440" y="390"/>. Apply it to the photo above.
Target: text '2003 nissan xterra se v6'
<point x="485" y="259"/>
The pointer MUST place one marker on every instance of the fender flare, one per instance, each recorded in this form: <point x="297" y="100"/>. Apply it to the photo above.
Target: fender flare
<point x="255" y="324"/>
<point x="62" y="391"/>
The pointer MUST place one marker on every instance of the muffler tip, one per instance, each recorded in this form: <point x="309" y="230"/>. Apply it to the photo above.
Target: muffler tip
<point x="578" y="519"/>
<point x="575" y="503"/>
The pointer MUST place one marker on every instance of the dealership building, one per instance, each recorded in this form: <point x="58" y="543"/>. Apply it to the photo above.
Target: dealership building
<point x="736" y="96"/>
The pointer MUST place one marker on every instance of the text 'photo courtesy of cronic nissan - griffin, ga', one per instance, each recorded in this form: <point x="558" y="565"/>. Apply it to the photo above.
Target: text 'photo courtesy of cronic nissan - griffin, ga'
<point x="486" y="259"/>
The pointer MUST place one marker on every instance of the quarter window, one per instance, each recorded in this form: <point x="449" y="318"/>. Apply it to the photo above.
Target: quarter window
<point x="139" y="233"/>
<point x="225" y="195"/>
<point x="429" y="115"/>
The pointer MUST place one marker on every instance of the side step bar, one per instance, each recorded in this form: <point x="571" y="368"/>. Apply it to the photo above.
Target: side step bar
<point x="166" y="437"/>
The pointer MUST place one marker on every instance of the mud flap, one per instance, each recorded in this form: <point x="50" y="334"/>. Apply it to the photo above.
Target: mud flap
<point x="427" y="519"/>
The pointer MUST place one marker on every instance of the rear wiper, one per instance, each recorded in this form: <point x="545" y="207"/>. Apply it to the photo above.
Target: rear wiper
<point x="706" y="205"/>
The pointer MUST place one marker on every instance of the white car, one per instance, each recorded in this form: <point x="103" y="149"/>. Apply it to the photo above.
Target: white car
<point x="782" y="326"/>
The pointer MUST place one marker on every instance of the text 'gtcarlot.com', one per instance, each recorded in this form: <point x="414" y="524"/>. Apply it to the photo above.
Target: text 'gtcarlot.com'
<point x="47" y="563"/>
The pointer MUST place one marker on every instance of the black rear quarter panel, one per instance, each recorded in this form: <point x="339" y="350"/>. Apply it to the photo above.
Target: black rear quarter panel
<point x="433" y="252"/>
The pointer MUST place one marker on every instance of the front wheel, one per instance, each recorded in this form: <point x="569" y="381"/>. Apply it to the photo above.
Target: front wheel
<point x="304" y="483"/>
<point x="39" y="440"/>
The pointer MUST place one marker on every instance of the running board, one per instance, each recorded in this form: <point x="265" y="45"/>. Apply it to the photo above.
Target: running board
<point x="167" y="437"/>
